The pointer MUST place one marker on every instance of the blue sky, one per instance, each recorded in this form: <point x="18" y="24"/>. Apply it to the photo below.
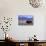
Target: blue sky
<point x="22" y="17"/>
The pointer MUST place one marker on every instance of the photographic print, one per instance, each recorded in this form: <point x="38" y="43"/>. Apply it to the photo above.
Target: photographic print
<point x="25" y="20"/>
